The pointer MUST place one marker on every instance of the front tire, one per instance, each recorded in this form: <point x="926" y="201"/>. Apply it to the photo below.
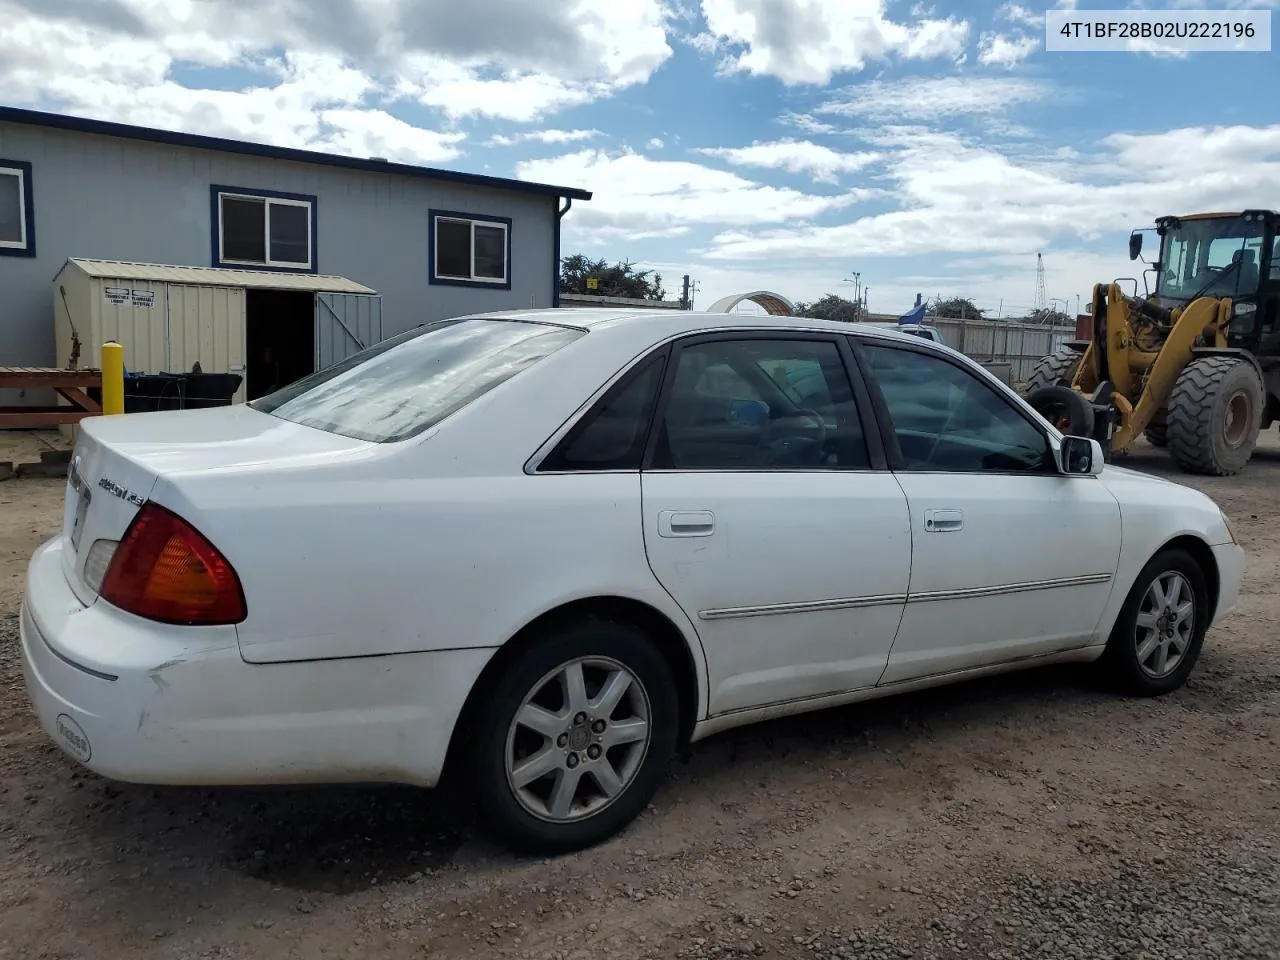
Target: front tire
<point x="1215" y="412"/>
<point x="574" y="737"/>
<point x="1158" y="636"/>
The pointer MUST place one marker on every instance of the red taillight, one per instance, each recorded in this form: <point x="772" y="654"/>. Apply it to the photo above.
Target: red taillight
<point x="165" y="570"/>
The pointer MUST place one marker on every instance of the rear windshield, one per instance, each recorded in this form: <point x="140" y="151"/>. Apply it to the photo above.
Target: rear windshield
<point x="405" y="384"/>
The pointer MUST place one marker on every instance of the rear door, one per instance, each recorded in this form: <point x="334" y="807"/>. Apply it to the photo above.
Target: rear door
<point x="346" y="323"/>
<point x="769" y="518"/>
<point x="1011" y="558"/>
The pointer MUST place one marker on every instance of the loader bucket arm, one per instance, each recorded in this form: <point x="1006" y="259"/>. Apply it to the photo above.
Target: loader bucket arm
<point x="1206" y="315"/>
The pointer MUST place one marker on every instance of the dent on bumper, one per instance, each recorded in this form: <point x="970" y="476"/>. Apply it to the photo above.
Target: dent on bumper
<point x="139" y="702"/>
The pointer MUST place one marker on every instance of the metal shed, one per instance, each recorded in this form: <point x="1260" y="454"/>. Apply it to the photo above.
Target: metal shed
<point x="270" y="327"/>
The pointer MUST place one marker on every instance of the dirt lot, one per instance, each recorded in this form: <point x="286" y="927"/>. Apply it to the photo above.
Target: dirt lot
<point x="1031" y="816"/>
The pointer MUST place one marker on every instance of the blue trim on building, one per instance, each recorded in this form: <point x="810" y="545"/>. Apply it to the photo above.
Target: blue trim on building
<point x="432" y="216"/>
<point x="28" y="210"/>
<point x="215" y="215"/>
<point x="106" y="128"/>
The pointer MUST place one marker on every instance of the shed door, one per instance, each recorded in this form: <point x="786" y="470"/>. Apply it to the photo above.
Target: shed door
<point x="207" y="325"/>
<point x="346" y="323"/>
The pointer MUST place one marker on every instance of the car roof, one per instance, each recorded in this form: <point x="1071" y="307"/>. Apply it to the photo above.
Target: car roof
<point x="678" y="322"/>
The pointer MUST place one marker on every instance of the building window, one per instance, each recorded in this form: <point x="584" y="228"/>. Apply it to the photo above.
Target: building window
<point x="17" y="227"/>
<point x="255" y="228"/>
<point x="470" y="250"/>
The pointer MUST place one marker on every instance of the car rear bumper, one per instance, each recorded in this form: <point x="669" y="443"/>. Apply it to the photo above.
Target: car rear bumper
<point x="147" y="703"/>
<point x="1230" y="559"/>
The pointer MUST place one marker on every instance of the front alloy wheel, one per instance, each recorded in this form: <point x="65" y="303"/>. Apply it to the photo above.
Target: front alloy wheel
<point x="1165" y="624"/>
<point x="1157" y="637"/>
<point x="570" y="738"/>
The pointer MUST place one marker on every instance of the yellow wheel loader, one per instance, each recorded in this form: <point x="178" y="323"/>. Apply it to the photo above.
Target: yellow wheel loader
<point x="1194" y="365"/>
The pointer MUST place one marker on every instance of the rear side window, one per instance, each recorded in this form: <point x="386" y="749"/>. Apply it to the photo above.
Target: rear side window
<point x="405" y="384"/>
<point x="612" y="436"/>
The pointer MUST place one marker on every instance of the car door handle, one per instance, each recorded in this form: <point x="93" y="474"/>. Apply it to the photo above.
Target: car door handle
<point x="686" y="523"/>
<point x="943" y="521"/>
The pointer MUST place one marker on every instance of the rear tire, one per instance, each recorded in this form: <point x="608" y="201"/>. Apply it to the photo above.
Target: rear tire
<point x="1157" y="432"/>
<point x="1165" y="615"/>
<point x="1066" y="409"/>
<point x="1057" y="369"/>
<point x="1215" y="412"/>
<point x="572" y="770"/>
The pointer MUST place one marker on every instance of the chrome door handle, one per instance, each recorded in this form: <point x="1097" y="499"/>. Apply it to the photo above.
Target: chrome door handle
<point x="943" y="521"/>
<point x="686" y="523"/>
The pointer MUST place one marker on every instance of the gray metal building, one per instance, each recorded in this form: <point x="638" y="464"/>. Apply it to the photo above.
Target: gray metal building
<point x="432" y="243"/>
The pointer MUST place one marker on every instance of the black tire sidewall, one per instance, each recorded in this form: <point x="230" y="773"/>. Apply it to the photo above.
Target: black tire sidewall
<point x="1079" y="412"/>
<point x="1122" y="652"/>
<point x="591" y="636"/>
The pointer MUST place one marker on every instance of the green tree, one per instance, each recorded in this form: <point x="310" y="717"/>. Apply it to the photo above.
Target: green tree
<point x="620" y="279"/>
<point x="1050" y="316"/>
<point x="829" y="307"/>
<point x="954" y="308"/>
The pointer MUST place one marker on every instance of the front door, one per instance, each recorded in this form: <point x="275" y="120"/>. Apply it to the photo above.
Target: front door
<point x="765" y="521"/>
<point x="1012" y="559"/>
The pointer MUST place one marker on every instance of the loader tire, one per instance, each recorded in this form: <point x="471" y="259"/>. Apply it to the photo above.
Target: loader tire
<point x="1066" y="409"/>
<point x="1157" y="432"/>
<point x="1215" y="413"/>
<point x="1057" y="369"/>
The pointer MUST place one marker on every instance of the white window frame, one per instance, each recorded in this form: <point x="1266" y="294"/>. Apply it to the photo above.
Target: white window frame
<point x="472" y="223"/>
<point x="266" y="227"/>
<point x="24" y="239"/>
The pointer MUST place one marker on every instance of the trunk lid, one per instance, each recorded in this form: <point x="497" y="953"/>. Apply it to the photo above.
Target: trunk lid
<point x="118" y="461"/>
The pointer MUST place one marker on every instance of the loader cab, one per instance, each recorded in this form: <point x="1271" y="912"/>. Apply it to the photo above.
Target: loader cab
<point x="1230" y="255"/>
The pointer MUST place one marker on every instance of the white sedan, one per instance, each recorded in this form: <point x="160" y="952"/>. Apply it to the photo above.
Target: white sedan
<point x="549" y="547"/>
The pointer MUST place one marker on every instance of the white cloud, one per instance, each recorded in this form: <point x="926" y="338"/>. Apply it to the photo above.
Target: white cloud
<point x="958" y="197"/>
<point x="505" y="59"/>
<point x="542" y="136"/>
<point x="807" y="123"/>
<point x="998" y="49"/>
<point x="809" y="41"/>
<point x="655" y="143"/>
<point x="931" y="99"/>
<point x="794" y="156"/>
<point x="635" y="196"/>
<point x="1017" y="13"/>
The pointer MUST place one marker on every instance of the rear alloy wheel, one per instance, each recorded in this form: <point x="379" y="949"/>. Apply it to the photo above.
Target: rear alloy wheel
<point x="573" y="739"/>
<point x="1158" y="636"/>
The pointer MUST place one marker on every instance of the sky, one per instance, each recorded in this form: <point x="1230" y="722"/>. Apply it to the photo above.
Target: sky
<point x="753" y="144"/>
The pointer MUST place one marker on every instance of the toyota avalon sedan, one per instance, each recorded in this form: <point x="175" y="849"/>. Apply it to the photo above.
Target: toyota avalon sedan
<point x="545" y="549"/>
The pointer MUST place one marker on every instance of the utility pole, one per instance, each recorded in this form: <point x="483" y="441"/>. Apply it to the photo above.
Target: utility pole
<point x="685" y="302"/>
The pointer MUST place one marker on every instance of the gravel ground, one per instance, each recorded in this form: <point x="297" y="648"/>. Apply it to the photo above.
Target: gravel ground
<point x="1035" y="815"/>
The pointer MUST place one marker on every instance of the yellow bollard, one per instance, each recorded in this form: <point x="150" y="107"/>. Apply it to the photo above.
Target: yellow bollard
<point x="112" y="378"/>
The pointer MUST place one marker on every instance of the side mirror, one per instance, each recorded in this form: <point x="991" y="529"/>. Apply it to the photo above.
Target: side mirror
<point x="1135" y="246"/>
<point x="1081" y="456"/>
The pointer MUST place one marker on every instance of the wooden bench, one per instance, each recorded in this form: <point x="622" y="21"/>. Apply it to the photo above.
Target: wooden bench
<point x="71" y="385"/>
